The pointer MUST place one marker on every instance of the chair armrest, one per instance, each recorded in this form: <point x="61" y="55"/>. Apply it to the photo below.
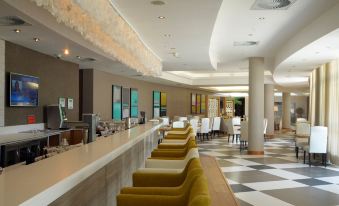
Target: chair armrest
<point x="156" y="179"/>
<point x="169" y="154"/>
<point x="161" y="163"/>
<point x="170" y="191"/>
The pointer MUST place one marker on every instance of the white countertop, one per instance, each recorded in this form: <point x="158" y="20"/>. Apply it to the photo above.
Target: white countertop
<point x="43" y="182"/>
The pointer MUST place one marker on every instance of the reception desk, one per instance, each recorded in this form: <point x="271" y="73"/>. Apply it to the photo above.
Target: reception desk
<point x="89" y="175"/>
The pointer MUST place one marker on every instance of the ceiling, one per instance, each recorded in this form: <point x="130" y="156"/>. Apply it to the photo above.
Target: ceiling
<point x="197" y="25"/>
<point x="55" y="38"/>
<point x="195" y="39"/>
<point x="236" y="21"/>
<point x="182" y="38"/>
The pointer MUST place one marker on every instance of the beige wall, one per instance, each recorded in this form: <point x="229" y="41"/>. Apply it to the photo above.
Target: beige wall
<point x="2" y="83"/>
<point x="178" y="99"/>
<point x="57" y="79"/>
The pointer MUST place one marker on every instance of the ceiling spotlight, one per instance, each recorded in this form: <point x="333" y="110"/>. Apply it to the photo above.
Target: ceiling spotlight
<point x="36" y="39"/>
<point x="17" y="30"/>
<point x="66" y="52"/>
<point x="78" y="57"/>
<point x="161" y="17"/>
<point x="261" y="18"/>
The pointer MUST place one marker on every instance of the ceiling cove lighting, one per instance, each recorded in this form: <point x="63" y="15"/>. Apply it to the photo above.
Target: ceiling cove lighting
<point x="233" y="94"/>
<point x="209" y="75"/>
<point x="228" y="88"/>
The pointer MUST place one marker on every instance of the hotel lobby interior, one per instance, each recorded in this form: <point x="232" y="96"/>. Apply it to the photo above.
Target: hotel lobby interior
<point x="169" y="102"/>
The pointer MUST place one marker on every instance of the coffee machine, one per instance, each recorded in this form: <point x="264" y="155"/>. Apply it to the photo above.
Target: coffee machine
<point x="142" y="118"/>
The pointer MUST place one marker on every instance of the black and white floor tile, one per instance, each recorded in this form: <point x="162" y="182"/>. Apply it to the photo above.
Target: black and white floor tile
<point x="276" y="178"/>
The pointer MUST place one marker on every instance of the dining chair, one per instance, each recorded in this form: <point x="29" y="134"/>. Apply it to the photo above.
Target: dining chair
<point x="265" y="128"/>
<point x="178" y="124"/>
<point x="165" y="121"/>
<point x="210" y="125"/>
<point x="301" y="120"/>
<point x="223" y="126"/>
<point x="236" y="120"/>
<point x="204" y="129"/>
<point x="194" y="124"/>
<point x="181" y="119"/>
<point x="303" y="130"/>
<point x="232" y="131"/>
<point x="243" y="134"/>
<point x="318" y="144"/>
<point x="216" y="125"/>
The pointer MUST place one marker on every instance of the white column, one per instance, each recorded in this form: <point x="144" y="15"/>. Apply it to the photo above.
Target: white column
<point x="269" y="107"/>
<point x="286" y="110"/>
<point x="256" y="106"/>
<point x="246" y="106"/>
<point x="2" y="83"/>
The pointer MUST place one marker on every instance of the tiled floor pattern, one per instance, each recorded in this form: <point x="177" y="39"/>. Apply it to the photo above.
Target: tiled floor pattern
<point x="276" y="178"/>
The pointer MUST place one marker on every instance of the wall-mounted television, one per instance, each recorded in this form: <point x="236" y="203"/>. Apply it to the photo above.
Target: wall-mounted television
<point x="24" y="90"/>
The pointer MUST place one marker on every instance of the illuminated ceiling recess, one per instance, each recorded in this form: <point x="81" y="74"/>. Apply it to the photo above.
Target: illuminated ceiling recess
<point x="99" y="23"/>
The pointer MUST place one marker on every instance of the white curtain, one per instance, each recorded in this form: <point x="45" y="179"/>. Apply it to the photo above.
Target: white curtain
<point x="324" y="104"/>
<point x="332" y="70"/>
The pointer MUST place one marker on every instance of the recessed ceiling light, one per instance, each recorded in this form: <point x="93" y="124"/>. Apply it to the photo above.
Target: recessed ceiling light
<point x="66" y="52"/>
<point x="78" y="57"/>
<point x="167" y="35"/>
<point x="17" y="30"/>
<point x="36" y="39"/>
<point x="261" y="18"/>
<point x="161" y="17"/>
<point x="157" y="3"/>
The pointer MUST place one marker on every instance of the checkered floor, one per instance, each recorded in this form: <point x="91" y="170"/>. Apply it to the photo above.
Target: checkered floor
<point x="276" y="178"/>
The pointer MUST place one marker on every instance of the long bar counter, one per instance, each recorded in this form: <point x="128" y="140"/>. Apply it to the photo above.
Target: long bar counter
<point x="89" y="175"/>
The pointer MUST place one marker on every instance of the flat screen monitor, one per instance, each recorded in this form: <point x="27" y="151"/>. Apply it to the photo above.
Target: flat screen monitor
<point x="24" y="90"/>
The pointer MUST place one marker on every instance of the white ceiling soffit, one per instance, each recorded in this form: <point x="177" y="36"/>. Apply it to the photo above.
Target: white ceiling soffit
<point x="211" y="79"/>
<point x="53" y="43"/>
<point x="182" y="38"/>
<point x="315" y="44"/>
<point x="108" y="33"/>
<point x="237" y="21"/>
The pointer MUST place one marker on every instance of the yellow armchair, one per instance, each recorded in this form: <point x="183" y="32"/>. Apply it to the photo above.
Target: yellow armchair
<point x="141" y="179"/>
<point x="173" y="153"/>
<point x="195" y="194"/>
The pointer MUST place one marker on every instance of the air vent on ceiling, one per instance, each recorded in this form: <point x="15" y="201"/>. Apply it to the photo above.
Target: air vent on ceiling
<point x="272" y="4"/>
<point x="87" y="59"/>
<point x="12" y="21"/>
<point x="157" y="3"/>
<point x="245" y="43"/>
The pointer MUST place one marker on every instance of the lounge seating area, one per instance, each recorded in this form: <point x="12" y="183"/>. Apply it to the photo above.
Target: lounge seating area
<point x="174" y="175"/>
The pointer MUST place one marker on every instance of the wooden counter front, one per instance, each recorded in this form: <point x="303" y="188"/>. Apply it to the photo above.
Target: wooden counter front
<point x="88" y="175"/>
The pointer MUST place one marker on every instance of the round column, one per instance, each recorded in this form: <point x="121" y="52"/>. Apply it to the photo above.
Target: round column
<point x="256" y="106"/>
<point x="286" y="110"/>
<point x="269" y="108"/>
